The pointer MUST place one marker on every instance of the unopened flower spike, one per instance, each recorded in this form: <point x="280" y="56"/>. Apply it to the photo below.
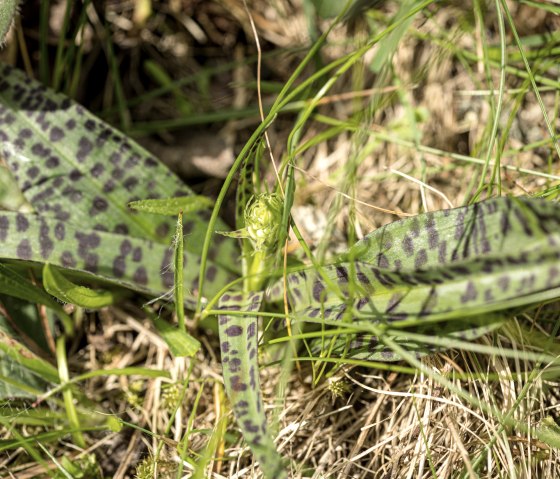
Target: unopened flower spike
<point x="262" y="215"/>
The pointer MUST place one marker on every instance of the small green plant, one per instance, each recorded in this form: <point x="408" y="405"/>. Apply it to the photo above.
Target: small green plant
<point x="408" y="289"/>
<point x="150" y="468"/>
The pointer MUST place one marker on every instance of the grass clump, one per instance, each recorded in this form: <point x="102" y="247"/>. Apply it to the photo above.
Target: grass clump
<point x="406" y="108"/>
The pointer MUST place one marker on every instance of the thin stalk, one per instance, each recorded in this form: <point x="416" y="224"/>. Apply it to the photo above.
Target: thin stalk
<point x="67" y="394"/>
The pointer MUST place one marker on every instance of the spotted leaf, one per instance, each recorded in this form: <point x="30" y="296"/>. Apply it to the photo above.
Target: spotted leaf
<point x="134" y="263"/>
<point x="494" y="228"/>
<point x="78" y="172"/>
<point x="238" y="344"/>
<point x="459" y="264"/>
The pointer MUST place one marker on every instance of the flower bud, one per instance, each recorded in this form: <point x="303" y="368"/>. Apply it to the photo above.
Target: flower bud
<point x="262" y="219"/>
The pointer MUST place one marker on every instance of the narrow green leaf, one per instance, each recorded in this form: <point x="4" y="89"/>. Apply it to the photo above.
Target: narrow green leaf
<point x="179" y="341"/>
<point x="67" y="393"/>
<point x="62" y="288"/>
<point x="18" y="353"/>
<point x="238" y="344"/>
<point x="173" y="206"/>
<point x="14" y="284"/>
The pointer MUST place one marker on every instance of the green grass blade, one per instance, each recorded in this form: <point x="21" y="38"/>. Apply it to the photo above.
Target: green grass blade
<point x="62" y="288"/>
<point x="18" y="353"/>
<point x="178" y="258"/>
<point x="14" y="284"/>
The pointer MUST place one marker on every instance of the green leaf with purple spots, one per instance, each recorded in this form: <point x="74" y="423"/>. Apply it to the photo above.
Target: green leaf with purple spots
<point x="239" y="348"/>
<point x="79" y="173"/>
<point x="452" y="267"/>
<point x="134" y="263"/>
<point x="452" y="274"/>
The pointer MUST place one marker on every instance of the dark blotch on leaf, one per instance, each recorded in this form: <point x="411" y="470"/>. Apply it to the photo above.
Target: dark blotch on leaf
<point x="4" y="225"/>
<point x="318" y="289"/>
<point x="503" y="283"/>
<point x="407" y="245"/>
<point x="52" y="162"/>
<point x="46" y="244"/>
<point x="119" y="266"/>
<point x="382" y="261"/>
<point x="91" y="262"/>
<point x="237" y="384"/>
<point x="117" y="173"/>
<point x="470" y="294"/>
<point x="130" y="183"/>
<point x="75" y="175"/>
<point x="421" y="259"/>
<point x="33" y="172"/>
<point x="97" y="170"/>
<point x="56" y="134"/>
<point x="59" y="231"/>
<point x="99" y="205"/>
<point x="84" y="149"/>
<point x="140" y="276"/>
<point x="211" y="273"/>
<point x="23" y="250"/>
<point x="121" y="229"/>
<point x="86" y="242"/>
<point x="39" y="150"/>
<point x="342" y="274"/>
<point x="250" y="426"/>
<point x="234" y="365"/>
<point x="137" y="254"/>
<point x="251" y="330"/>
<point x="22" y="223"/>
<point x="163" y="229"/>
<point x="234" y="331"/>
<point x="67" y="259"/>
<point x="109" y="186"/>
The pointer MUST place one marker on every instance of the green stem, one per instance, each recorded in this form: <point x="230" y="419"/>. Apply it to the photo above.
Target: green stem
<point x="64" y="376"/>
<point x="257" y="266"/>
<point x="178" y="285"/>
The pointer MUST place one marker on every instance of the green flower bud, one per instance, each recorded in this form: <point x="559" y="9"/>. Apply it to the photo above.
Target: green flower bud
<point x="263" y="214"/>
